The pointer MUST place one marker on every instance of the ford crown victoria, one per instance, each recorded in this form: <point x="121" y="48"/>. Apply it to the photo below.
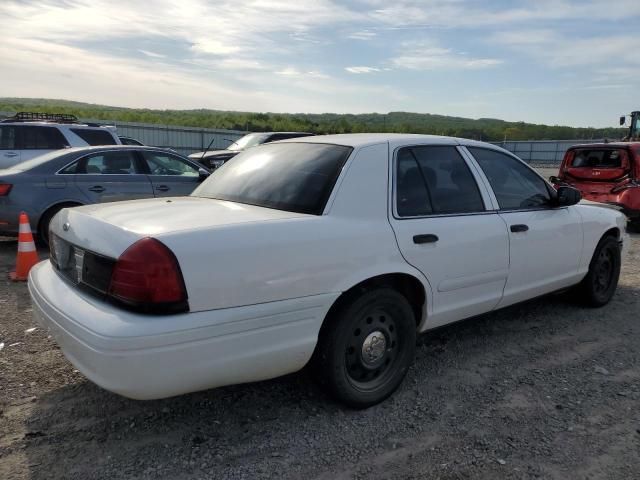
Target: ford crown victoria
<point x="334" y="250"/>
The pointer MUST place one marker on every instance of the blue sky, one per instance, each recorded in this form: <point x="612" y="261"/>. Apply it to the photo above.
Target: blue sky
<point x="571" y="62"/>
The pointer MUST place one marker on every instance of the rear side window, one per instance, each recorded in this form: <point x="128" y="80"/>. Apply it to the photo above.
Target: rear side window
<point x="515" y="185"/>
<point x="105" y="163"/>
<point x="40" y="138"/>
<point x="94" y="136"/>
<point x="7" y="137"/>
<point x="597" y="158"/>
<point x="435" y="180"/>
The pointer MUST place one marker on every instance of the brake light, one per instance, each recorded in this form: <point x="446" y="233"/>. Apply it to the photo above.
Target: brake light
<point x="5" y="188"/>
<point x="147" y="277"/>
<point x="568" y="160"/>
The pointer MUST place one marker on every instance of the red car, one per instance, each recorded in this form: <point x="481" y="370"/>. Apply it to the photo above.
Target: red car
<point x="607" y="173"/>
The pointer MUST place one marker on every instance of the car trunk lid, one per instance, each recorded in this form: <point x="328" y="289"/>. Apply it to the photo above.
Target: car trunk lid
<point x="109" y="229"/>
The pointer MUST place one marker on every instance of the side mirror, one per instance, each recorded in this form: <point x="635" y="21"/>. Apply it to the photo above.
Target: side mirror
<point x="203" y="174"/>
<point x="567" y="196"/>
<point x="555" y="180"/>
<point x="623" y="119"/>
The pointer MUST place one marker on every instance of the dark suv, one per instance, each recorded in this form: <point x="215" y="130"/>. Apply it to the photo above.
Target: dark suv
<point x="213" y="159"/>
<point x="607" y="173"/>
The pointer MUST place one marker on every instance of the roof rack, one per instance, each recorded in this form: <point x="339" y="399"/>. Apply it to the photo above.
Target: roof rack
<point x="42" y="117"/>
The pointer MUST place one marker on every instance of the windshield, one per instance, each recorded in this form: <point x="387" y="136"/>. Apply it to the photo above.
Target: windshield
<point x="635" y="127"/>
<point x="248" y="141"/>
<point x="296" y="177"/>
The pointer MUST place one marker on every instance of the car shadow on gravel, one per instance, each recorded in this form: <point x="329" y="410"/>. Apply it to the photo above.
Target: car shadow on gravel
<point x="81" y="431"/>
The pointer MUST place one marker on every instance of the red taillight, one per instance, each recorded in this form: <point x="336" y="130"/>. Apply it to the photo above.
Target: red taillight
<point x="147" y="277"/>
<point x="568" y="160"/>
<point x="5" y="188"/>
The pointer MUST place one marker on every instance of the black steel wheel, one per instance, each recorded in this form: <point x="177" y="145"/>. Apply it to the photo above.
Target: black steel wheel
<point x="601" y="281"/>
<point x="366" y="347"/>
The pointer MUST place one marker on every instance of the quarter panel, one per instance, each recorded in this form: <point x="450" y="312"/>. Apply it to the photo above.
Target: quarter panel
<point x="261" y="262"/>
<point x="295" y="257"/>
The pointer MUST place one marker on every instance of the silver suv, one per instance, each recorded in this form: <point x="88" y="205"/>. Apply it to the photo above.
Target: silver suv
<point x="27" y="135"/>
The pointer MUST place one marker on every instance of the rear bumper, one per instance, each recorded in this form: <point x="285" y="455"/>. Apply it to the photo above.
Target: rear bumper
<point x="148" y="357"/>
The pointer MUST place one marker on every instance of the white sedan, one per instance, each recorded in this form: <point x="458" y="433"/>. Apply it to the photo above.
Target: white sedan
<point x="333" y="249"/>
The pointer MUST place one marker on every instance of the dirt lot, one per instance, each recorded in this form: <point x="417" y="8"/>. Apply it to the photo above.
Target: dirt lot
<point x="547" y="389"/>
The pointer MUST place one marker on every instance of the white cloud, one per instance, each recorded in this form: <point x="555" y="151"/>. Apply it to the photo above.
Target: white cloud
<point x="460" y="13"/>
<point x="429" y="56"/>
<point x="294" y="72"/>
<point x="151" y="54"/>
<point x="309" y="55"/>
<point x="143" y="83"/>
<point x="362" y="35"/>
<point x="362" y="69"/>
<point x="557" y="49"/>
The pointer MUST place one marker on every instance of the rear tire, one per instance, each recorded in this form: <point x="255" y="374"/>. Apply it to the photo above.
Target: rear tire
<point x="598" y="287"/>
<point x="366" y="347"/>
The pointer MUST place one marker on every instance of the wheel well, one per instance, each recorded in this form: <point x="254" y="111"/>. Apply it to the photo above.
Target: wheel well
<point x="407" y="285"/>
<point x="612" y="232"/>
<point x="53" y="208"/>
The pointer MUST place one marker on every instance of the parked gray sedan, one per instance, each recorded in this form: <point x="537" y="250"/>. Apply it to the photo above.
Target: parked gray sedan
<point x="80" y="176"/>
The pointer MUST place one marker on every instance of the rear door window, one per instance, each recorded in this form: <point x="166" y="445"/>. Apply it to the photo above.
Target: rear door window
<point x="40" y="138"/>
<point x="435" y="180"/>
<point x="105" y="163"/>
<point x="95" y="136"/>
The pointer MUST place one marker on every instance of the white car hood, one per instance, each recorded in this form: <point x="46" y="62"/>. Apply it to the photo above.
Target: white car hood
<point x="110" y="228"/>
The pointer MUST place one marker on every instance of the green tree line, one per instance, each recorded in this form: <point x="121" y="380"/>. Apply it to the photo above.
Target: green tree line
<point x="488" y="129"/>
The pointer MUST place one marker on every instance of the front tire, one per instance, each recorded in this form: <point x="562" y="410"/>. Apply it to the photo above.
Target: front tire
<point x="366" y="347"/>
<point x="598" y="287"/>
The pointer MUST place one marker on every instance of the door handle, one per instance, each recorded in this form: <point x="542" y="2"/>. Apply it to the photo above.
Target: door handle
<point x="11" y="154"/>
<point x="96" y="189"/>
<point x="426" y="238"/>
<point x="519" y="228"/>
<point x="162" y="188"/>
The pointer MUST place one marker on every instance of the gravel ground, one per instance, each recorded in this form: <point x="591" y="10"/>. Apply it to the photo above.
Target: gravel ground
<point x="546" y="389"/>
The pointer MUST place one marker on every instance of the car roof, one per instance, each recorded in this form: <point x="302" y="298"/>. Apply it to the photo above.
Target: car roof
<point x="44" y="123"/>
<point x="285" y="133"/>
<point x="609" y="144"/>
<point x="95" y="148"/>
<point x="75" y="152"/>
<point x="357" y="140"/>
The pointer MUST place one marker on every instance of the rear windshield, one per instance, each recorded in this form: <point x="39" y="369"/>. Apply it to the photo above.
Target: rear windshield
<point x="606" y="158"/>
<point x="95" y="136"/>
<point x="296" y="177"/>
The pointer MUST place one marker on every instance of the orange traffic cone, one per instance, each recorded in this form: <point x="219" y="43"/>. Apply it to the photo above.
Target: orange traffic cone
<point x="27" y="255"/>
